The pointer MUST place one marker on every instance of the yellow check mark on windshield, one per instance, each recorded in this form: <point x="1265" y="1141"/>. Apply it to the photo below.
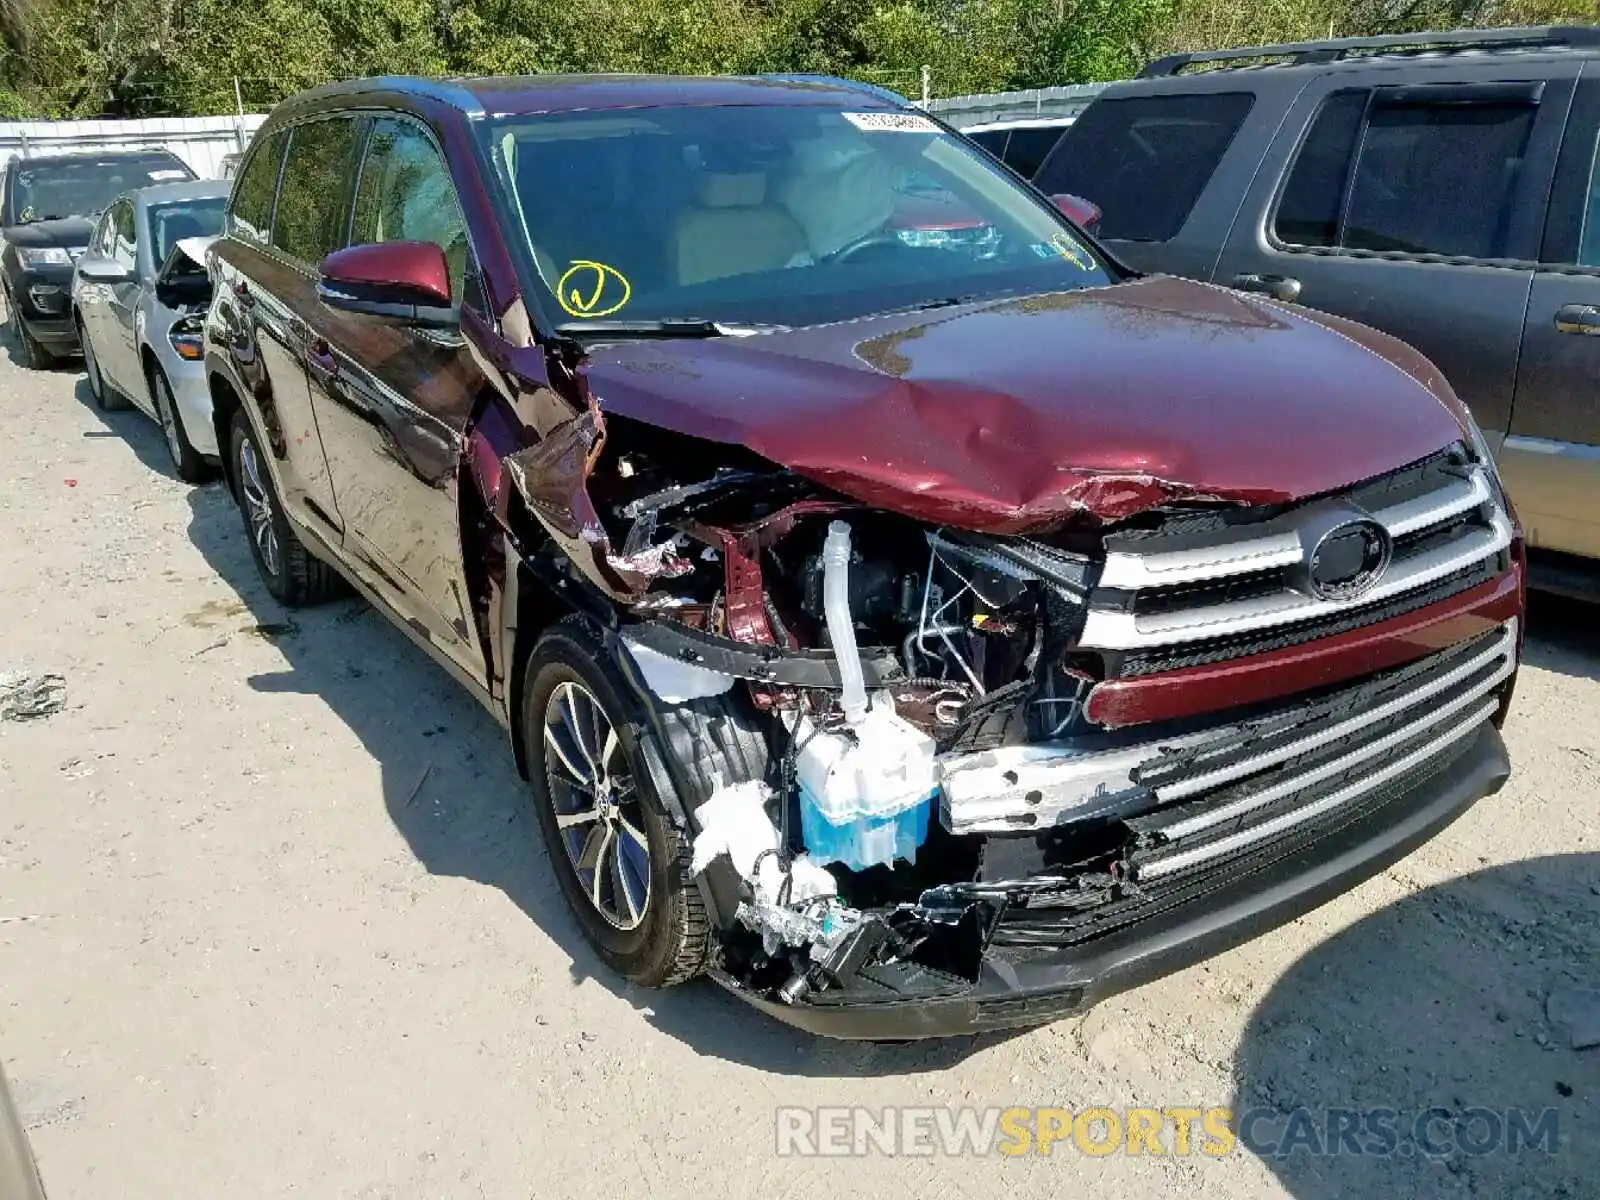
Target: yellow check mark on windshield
<point x="610" y="292"/>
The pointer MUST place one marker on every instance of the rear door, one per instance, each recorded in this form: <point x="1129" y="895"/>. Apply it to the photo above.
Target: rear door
<point x="1167" y="164"/>
<point x="393" y="402"/>
<point x="281" y="295"/>
<point x="94" y="297"/>
<point x="1412" y="198"/>
<point x="1551" y="460"/>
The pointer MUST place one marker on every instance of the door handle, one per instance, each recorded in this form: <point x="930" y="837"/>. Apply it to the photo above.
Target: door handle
<point x="1279" y="287"/>
<point x="1578" y="318"/>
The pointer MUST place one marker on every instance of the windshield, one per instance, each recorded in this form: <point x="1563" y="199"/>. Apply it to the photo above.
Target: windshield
<point x="83" y="189"/>
<point x="772" y="216"/>
<point x="171" y="223"/>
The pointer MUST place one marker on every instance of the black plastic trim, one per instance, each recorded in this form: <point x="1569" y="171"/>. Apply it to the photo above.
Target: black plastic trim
<point x="765" y="664"/>
<point x="1027" y="988"/>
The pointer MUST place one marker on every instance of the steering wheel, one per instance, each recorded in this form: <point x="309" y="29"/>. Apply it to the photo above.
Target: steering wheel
<point x="850" y="249"/>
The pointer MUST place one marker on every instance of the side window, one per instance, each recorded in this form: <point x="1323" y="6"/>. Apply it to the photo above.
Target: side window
<point x="104" y="233"/>
<point x="1144" y="160"/>
<point x="125" y="241"/>
<point x="1420" y="177"/>
<point x="1028" y="148"/>
<point x="992" y="140"/>
<point x="250" y="209"/>
<point x="1437" y="178"/>
<point x="405" y="195"/>
<point x="1589" y="239"/>
<point x="309" y="222"/>
<point x="1313" y="196"/>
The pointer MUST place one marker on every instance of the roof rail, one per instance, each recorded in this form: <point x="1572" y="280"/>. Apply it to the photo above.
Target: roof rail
<point x="1520" y="37"/>
<point x="855" y="85"/>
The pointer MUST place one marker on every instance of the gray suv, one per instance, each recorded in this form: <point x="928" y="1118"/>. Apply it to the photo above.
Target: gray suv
<point x="1444" y="188"/>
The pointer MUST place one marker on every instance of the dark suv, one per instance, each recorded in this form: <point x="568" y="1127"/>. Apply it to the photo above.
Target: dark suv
<point x="48" y="207"/>
<point x="917" y="633"/>
<point x="1441" y="187"/>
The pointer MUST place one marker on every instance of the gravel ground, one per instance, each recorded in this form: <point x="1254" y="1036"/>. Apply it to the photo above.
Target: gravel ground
<point x="276" y="921"/>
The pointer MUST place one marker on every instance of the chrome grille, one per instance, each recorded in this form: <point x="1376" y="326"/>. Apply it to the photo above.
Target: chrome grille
<point x="1207" y="808"/>
<point x="1200" y="795"/>
<point x="1227" y="587"/>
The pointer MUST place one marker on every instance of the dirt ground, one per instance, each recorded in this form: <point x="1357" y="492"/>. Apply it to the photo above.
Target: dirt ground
<point x="275" y="920"/>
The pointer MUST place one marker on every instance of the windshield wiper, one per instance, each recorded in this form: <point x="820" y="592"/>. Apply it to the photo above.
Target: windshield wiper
<point x="684" y="327"/>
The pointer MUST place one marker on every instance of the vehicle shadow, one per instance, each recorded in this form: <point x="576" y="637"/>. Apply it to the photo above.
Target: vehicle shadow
<point x="452" y="790"/>
<point x="141" y="434"/>
<point x="1561" y="635"/>
<point x="1437" y="1002"/>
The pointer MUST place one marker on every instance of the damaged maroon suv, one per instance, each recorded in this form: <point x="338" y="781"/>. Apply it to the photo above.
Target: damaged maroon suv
<point x="917" y="624"/>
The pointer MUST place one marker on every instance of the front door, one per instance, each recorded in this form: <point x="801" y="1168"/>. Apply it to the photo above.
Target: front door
<point x="1417" y="209"/>
<point x="394" y="402"/>
<point x="121" y="358"/>
<point x="1551" y="460"/>
<point x="94" y="297"/>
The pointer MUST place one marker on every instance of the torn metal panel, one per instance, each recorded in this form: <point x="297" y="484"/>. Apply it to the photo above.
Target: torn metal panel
<point x="671" y="679"/>
<point x="552" y="477"/>
<point x="1020" y="788"/>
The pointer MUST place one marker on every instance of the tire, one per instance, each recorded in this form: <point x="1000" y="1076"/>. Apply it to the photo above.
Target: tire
<point x="34" y="356"/>
<point x="106" y="398"/>
<point x="186" y="461"/>
<point x="668" y="941"/>
<point x="289" y="570"/>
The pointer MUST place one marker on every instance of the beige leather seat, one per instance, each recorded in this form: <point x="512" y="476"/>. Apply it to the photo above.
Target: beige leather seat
<point x="733" y="231"/>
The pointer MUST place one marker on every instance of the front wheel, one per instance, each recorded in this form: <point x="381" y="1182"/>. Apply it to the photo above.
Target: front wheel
<point x="34" y="356"/>
<point x="288" y="569"/>
<point x="622" y="863"/>
<point x="186" y="461"/>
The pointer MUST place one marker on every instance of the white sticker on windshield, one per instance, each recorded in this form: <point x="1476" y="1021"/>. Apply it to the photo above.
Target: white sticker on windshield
<point x="169" y="173"/>
<point x="891" y="122"/>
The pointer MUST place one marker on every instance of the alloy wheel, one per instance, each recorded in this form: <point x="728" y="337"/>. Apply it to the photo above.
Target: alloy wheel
<point x="169" y="424"/>
<point x="258" y="507"/>
<point x="597" y="805"/>
<point x="91" y="368"/>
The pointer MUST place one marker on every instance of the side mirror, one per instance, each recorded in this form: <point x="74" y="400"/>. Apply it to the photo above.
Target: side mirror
<point x="104" y="270"/>
<point x="1084" y="213"/>
<point x="404" y="282"/>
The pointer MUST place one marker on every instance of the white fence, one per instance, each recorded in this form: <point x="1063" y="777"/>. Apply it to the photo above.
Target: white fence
<point x="199" y="141"/>
<point x="1069" y="101"/>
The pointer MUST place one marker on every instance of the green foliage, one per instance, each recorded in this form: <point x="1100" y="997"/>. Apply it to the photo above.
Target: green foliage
<point x="64" y="58"/>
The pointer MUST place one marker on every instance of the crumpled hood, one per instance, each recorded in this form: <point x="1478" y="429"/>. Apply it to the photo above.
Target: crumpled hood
<point x="1021" y="415"/>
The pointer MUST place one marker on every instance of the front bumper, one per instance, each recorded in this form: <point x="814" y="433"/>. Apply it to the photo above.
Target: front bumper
<point x="43" y="300"/>
<point x="193" y="398"/>
<point x="1020" y="987"/>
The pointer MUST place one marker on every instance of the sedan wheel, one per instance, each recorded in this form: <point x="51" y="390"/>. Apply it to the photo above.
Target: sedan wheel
<point x="292" y="574"/>
<point x="620" y="857"/>
<point x="91" y="368"/>
<point x="106" y="398"/>
<point x="256" y="500"/>
<point x="186" y="461"/>
<point x="597" y="805"/>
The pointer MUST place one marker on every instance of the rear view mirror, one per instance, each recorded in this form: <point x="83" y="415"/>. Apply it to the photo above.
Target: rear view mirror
<point x="404" y="282"/>
<point x="1083" y="213"/>
<point x="104" y="270"/>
